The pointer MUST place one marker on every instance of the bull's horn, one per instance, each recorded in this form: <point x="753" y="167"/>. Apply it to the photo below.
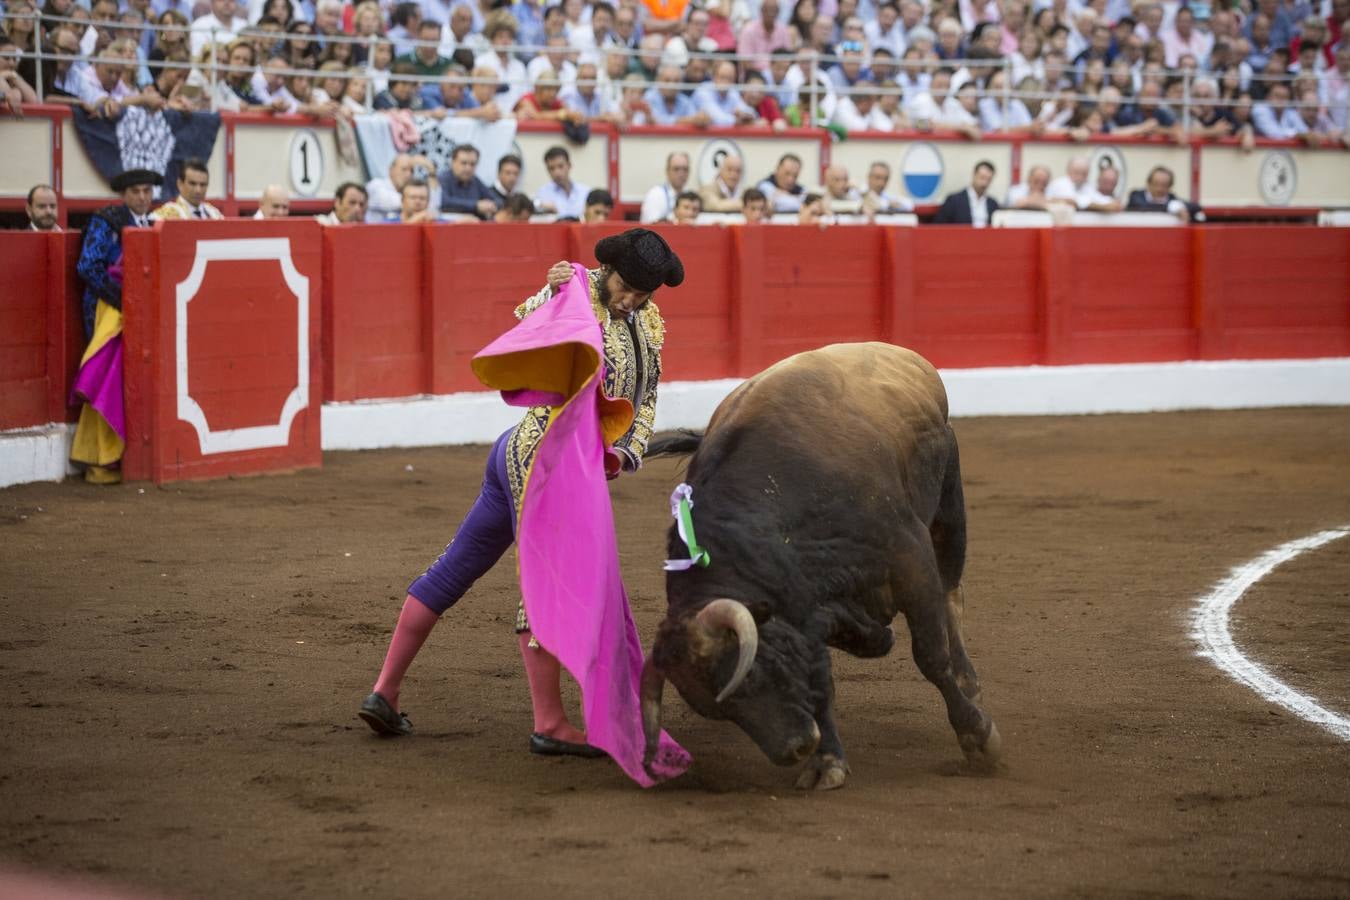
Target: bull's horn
<point x="653" y="682"/>
<point x="733" y="616"/>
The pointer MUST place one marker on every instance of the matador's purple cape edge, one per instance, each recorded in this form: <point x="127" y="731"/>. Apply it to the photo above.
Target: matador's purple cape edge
<point x="567" y="550"/>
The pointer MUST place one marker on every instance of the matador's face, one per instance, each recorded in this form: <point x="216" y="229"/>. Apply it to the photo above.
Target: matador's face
<point x="618" y="297"/>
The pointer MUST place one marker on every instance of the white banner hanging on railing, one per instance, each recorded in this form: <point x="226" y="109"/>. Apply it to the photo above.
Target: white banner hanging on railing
<point x="383" y="137"/>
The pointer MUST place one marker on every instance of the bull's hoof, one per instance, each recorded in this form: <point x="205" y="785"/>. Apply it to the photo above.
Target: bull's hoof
<point x="983" y="755"/>
<point x="824" y="772"/>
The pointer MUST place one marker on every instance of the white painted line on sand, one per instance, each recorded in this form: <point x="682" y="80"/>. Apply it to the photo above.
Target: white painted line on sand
<point x="1210" y="629"/>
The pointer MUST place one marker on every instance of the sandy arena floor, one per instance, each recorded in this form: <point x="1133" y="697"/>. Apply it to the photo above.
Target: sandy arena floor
<point x="180" y="671"/>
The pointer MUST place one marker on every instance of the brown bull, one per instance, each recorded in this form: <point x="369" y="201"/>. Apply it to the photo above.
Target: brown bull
<point x="827" y="491"/>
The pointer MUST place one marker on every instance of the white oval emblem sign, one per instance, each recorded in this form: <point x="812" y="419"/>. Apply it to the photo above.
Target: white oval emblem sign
<point x="1278" y="178"/>
<point x="711" y="156"/>
<point x="306" y="163"/>
<point x="1109" y="158"/>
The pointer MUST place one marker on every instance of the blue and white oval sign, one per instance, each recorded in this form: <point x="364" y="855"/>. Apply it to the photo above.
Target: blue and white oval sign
<point x="921" y="170"/>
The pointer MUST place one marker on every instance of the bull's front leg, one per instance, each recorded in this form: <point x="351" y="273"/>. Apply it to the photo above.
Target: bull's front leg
<point x="827" y="768"/>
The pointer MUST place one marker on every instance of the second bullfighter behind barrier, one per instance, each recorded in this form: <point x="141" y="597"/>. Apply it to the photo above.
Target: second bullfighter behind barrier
<point x="826" y="493"/>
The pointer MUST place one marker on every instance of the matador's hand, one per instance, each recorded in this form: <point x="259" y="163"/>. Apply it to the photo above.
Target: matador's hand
<point x="560" y="274"/>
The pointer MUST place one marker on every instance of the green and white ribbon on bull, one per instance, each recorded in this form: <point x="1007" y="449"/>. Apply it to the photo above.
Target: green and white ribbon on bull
<point x="682" y="508"/>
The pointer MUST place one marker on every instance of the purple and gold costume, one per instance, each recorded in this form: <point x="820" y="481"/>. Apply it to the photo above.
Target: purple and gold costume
<point x="632" y="370"/>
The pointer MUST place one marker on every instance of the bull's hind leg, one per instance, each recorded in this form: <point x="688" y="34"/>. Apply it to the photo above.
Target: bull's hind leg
<point x="966" y="678"/>
<point x="928" y="625"/>
<point x="948" y="533"/>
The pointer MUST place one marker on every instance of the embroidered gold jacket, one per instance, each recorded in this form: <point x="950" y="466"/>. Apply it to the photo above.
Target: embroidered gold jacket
<point x="178" y="208"/>
<point x="632" y="370"/>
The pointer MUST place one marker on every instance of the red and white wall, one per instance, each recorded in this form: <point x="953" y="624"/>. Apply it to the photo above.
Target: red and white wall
<point x="237" y="331"/>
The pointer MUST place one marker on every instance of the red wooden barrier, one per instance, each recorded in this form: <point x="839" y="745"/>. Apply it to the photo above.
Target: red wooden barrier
<point x="41" y="337"/>
<point x="405" y="307"/>
<point x="1118" y="295"/>
<point x="1273" y="292"/>
<point x="375" y="321"/>
<point x="969" y="298"/>
<point x="476" y="275"/>
<point x="223" y="358"/>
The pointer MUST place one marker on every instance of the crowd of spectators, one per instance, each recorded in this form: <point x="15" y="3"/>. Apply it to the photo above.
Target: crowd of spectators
<point x="1272" y="68"/>
<point x="410" y="194"/>
<point x="1177" y="70"/>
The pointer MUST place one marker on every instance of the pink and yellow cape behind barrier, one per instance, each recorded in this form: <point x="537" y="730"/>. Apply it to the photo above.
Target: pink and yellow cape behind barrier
<point x="567" y="550"/>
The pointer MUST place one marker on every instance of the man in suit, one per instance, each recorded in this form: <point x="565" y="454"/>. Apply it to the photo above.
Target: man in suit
<point x="1158" y="197"/>
<point x="973" y="206"/>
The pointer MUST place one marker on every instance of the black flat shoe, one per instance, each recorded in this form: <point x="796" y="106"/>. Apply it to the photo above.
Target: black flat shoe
<point x="383" y="718"/>
<point x="544" y="745"/>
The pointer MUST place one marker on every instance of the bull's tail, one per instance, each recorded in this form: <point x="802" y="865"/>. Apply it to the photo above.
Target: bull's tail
<point x="679" y="443"/>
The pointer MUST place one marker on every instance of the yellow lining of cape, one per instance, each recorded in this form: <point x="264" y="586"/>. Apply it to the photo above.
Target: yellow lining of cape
<point x="107" y="325"/>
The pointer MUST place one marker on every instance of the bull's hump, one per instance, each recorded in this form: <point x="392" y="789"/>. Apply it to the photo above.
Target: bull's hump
<point x="839" y="380"/>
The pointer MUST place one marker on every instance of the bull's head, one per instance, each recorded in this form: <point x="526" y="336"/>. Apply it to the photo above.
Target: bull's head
<point x="727" y="666"/>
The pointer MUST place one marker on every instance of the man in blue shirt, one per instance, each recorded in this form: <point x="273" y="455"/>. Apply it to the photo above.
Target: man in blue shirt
<point x="583" y="97"/>
<point x="530" y="18"/>
<point x="669" y="106"/>
<point x="461" y="191"/>
<point x="721" y="101"/>
<point x="562" y="196"/>
<point x="452" y="93"/>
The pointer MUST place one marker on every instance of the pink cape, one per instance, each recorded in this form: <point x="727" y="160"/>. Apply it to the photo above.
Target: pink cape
<point x="568" y="554"/>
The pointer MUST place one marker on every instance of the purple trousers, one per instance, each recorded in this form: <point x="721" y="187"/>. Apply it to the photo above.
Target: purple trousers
<point x="485" y="534"/>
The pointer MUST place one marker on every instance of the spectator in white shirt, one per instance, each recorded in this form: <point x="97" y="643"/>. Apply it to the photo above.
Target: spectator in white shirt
<point x="583" y="97"/>
<point x="720" y="195"/>
<point x="839" y="195"/>
<point x="562" y="196"/>
<point x="877" y="199"/>
<point x="1102" y="198"/>
<point x="785" y="78"/>
<point x="383" y="194"/>
<point x="721" y="100"/>
<point x="960" y="111"/>
<point x="221" y="18"/>
<point x="555" y="58"/>
<point x="886" y="30"/>
<point x="1030" y="194"/>
<point x="1073" y="185"/>
<point x="859" y="111"/>
<point x="1012" y="118"/>
<point x="1275" y="118"/>
<point x="100" y="87"/>
<point x="1080" y="36"/>
<point x="464" y="32"/>
<point x="659" y="203"/>
<point x="600" y="34"/>
<point x="694" y="39"/>
<point x="501" y="32"/>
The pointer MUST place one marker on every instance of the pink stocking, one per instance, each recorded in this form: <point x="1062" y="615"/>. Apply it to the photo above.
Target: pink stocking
<point x="544" y="674"/>
<point x="414" y="624"/>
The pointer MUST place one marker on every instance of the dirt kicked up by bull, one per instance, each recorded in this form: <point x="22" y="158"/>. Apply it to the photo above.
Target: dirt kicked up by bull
<point x="826" y="493"/>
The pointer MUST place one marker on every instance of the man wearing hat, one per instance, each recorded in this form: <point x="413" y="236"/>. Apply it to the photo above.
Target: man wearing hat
<point x="100" y="435"/>
<point x="632" y="266"/>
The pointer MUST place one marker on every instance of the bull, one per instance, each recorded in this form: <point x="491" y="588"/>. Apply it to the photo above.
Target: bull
<point x="827" y="492"/>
